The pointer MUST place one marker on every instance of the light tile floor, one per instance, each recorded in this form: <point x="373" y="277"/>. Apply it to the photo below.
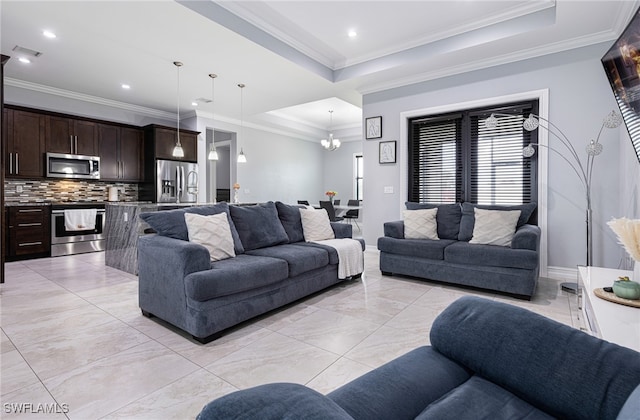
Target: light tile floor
<point x="73" y="335"/>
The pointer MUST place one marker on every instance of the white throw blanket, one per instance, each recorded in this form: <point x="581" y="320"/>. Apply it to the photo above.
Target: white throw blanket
<point x="80" y="219"/>
<point x="350" y="256"/>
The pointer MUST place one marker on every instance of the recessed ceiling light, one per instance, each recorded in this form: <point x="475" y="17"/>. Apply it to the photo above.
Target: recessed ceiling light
<point x="194" y="103"/>
<point x="352" y="33"/>
<point x="125" y="86"/>
<point x="24" y="60"/>
<point x="49" y="34"/>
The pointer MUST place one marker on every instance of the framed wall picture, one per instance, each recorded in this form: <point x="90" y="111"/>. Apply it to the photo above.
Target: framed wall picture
<point x="387" y="152"/>
<point x="373" y="127"/>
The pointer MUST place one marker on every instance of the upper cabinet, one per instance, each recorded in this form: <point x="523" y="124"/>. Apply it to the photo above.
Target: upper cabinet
<point x="121" y="151"/>
<point x="70" y="135"/>
<point x="25" y="134"/>
<point x="163" y="140"/>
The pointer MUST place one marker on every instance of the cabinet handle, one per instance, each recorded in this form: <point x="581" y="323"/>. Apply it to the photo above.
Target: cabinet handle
<point x="29" y="224"/>
<point x="30" y="211"/>
<point x="30" y="243"/>
<point x="76" y="137"/>
<point x="11" y="163"/>
<point x="70" y="144"/>
<point x="17" y="163"/>
<point x="122" y="173"/>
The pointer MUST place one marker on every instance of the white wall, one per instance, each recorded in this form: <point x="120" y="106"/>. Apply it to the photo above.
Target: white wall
<point x="579" y="97"/>
<point x="339" y="172"/>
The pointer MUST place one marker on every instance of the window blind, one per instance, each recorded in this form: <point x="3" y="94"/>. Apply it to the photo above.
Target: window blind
<point x="455" y="157"/>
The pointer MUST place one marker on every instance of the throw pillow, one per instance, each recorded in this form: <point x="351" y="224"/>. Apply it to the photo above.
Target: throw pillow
<point x="316" y="225"/>
<point x="467" y="220"/>
<point x="171" y="223"/>
<point x="494" y="227"/>
<point x="213" y="232"/>
<point x="448" y="217"/>
<point x="420" y="224"/>
<point x="290" y="218"/>
<point x="258" y="225"/>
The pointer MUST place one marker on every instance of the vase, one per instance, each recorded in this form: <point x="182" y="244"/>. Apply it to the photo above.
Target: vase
<point x="235" y="197"/>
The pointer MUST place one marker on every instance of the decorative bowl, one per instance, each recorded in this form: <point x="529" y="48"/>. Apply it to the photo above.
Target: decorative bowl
<point x="626" y="289"/>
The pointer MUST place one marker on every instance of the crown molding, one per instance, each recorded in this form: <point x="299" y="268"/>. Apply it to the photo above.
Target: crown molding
<point x="88" y="98"/>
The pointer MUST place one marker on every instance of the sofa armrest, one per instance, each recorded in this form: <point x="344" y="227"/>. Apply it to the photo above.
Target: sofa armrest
<point x="394" y="229"/>
<point x="526" y="237"/>
<point x="168" y="257"/>
<point x="342" y="230"/>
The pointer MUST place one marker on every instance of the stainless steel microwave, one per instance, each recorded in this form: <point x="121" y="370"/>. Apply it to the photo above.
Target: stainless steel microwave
<point x="61" y="165"/>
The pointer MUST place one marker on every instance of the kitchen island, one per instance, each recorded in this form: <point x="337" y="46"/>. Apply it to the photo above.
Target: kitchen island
<point x="123" y="227"/>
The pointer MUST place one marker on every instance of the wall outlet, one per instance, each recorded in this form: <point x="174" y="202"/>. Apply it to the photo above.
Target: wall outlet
<point x="18" y="188"/>
<point x="388" y="190"/>
<point x="126" y="216"/>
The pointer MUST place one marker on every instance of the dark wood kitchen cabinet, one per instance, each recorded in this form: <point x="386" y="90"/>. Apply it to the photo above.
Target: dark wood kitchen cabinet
<point x="121" y="152"/>
<point x="70" y="135"/>
<point x="28" y="232"/>
<point x="163" y="140"/>
<point x="25" y="136"/>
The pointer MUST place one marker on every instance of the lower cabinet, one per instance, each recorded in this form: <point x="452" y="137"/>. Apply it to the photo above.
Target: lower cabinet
<point x="28" y="232"/>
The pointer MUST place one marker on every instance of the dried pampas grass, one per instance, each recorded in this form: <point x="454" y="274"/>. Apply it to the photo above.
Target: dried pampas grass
<point x="628" y="231"/>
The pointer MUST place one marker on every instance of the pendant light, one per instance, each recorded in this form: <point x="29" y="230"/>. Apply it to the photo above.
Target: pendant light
<point x="177" y="150"/>
<point x="331" y="144"/>
<point x="213" y="153"/>
<point x="241" y="156"/>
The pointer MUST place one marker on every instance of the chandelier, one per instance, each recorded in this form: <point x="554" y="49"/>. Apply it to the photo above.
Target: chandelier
<point x="331" y="144"/>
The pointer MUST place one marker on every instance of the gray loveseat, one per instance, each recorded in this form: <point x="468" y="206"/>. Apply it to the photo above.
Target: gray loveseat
<point x="452" y="259"/>
<point x="273" y="266"/>
<point x="487" y="360"/>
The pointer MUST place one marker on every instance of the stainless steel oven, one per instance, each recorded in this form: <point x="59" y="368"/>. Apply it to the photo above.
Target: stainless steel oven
<point x="77" y="240"/>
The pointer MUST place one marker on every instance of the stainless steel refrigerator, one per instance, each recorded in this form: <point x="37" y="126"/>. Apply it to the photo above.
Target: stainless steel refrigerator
<point x="176" y="182"/>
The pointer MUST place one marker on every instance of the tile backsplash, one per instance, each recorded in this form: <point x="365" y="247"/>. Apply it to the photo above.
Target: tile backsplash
<point x="39" y="190"/>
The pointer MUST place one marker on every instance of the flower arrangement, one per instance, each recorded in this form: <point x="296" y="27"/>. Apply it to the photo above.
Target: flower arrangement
<point x="236" y="186"/>
<point x="330" y="194"/>
<point x="628" y="231"/>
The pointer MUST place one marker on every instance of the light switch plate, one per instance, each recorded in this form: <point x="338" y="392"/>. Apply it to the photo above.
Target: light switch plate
<point x="388" y="190"/>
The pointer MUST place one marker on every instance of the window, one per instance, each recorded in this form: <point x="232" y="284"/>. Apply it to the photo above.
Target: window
<point x="454" y="157"/>
<point x="358" y="185"/>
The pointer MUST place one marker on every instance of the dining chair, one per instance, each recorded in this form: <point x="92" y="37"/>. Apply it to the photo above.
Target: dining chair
<point x="353" y="214"/>
<point x="336" y="202"/>
<point x="305" y="202"/>
<point x="331" y="211"/>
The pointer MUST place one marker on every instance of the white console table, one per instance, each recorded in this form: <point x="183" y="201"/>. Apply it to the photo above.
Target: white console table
<point x="610" y="321"/>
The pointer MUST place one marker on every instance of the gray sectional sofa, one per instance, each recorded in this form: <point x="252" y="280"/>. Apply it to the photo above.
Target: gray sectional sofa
<point x="487" y="360"/>
<point x="507" y="269"/>
<point x="273" y="266"/>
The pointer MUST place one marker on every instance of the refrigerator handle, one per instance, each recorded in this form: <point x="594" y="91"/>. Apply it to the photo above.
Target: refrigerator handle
<point x="178" y="187"/>
<point x="182" y="179"/>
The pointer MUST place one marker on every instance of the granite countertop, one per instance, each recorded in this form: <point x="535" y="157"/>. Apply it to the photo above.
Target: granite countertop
<point x="17" y="203"/>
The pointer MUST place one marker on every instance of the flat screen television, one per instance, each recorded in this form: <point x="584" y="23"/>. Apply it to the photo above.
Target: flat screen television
<point x="622" y="65"/>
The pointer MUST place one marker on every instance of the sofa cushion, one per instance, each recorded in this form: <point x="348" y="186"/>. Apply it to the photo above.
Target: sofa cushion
<point x="333" y="253"/>
<point x="494" y="227"/>
<point x="300" y="259"/>
<point x="258" y="225"/>
<point x="461" y="252"/>
<point x="448" y="217"/>
<point x="213" y="233"/>
<point x="420" y="224"/>
<point x="289" y="216"/>
<point x="468" y="216"/>
<point x="424" y="248"/>
<point x="316" y="225"/>
<point x="171" y="222"/>
<point x="478" y="398"/>
<point x="555" y="367"/>
<point x="235" y="275"/>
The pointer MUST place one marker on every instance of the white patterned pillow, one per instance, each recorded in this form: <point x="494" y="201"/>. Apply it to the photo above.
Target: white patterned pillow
<point x="420" y="224"/>
<point x="494" y="227"/>
<point x="212" y="232"/>
<point x="316" y="225"/>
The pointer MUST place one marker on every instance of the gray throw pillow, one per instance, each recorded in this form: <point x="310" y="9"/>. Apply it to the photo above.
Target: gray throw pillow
<point x="258" y="225"/>
<point x="468" y="219"/>
<point x="171" y="223"/>
<point x="289" y="216"/>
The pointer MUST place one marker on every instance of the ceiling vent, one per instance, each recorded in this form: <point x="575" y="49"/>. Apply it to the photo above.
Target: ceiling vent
<point x="26" y="51"/>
